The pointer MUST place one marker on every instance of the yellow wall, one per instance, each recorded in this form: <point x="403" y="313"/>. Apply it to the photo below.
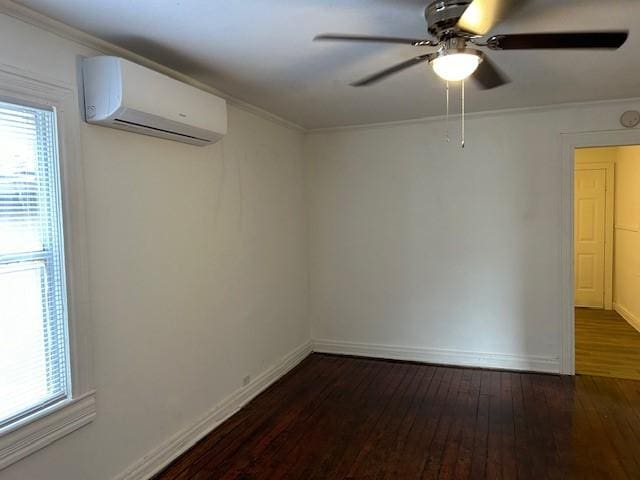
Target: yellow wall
<point x="626" y="281"/>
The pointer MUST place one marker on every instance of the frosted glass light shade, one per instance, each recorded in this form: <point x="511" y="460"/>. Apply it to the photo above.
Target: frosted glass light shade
<point x="455" y="66"/>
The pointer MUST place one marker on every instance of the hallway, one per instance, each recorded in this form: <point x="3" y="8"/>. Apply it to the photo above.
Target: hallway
<point x="606" y="345"/>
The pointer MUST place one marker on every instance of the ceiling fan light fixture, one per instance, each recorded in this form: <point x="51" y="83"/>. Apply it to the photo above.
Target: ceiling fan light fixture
<point x="455" y="66"/>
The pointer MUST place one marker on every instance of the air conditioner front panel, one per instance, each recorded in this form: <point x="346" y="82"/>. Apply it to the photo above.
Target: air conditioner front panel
<point x="145" y="90"/>
<point x="123" y="95"/>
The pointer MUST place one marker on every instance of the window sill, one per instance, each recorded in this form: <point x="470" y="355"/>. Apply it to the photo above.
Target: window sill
<point x="44" y="427"/>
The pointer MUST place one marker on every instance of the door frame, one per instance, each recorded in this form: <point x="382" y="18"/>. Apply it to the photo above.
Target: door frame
<point x="609" y="168"/>
<point x="569" y="142"/>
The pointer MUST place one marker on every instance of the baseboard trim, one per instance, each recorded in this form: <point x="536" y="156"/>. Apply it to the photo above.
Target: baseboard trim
<point x="163" y="455"/>
<point x="533" y="363"/>
<point x="627" y="315"/>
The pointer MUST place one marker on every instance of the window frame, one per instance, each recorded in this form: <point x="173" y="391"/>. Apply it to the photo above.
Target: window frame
<point x="33" y="432"/>
<point x="48" y="260"/>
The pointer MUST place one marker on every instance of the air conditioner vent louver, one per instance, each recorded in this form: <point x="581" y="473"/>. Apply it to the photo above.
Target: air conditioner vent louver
<point x="159" y="130"/>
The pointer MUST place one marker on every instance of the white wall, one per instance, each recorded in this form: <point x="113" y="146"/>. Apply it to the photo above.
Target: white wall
<point x="198" y="271"/>
<point x="627" y="235"/>
<point x="421" y="246"/>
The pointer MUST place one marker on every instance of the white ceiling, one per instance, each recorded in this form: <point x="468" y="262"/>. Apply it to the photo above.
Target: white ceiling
<point x="260" y="51"/>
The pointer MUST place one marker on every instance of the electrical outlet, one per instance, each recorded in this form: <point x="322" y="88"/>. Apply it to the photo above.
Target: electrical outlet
<point x="246" y="380"/>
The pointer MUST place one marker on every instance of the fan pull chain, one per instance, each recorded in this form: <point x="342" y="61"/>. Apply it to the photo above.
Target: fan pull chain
<point x="447" y="117"/>
<point x="462" y="113"/>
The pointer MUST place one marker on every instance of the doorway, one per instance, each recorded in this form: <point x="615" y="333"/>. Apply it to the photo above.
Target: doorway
<point x="607" y="261"/>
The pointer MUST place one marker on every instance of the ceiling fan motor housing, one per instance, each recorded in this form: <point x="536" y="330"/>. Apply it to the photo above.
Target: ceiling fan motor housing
<point x="443" y="15"/>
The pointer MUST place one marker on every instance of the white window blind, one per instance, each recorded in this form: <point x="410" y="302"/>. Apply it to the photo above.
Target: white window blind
<point x="34" y="366"/>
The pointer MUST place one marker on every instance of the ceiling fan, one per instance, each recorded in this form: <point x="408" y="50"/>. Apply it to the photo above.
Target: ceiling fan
<point x="459" y="27"/>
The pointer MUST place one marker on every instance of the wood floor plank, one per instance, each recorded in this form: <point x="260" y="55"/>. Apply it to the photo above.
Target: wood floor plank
<point x="468" y="421"/>
<point x="547" y="440"/>
<point x="310" y="439"/>
<point x="371" y="413"/>
<point x="293" y="418"/>
<point x="283" y="434"/>
<point x="445" y="429"/>
<point x="560" y="404"/>
<point x="608" y="462"/>
<point x="345" y="429"/>
<point x="327" y="442"/>
<point x="630" y="401"/>
<point x="522" y="434"/>
<point x="481" y="438"/>
<point x="411" y="460"/>
<point x="507" y="427"/>
<point x="427" y="444"/>
<point x="606" y="345"/>
<point x="585" y="460"/>
<point x="355" y="418"/>
<point x="621" y="436"/>
<point x="379" y="458"/>
<point x="297" y="379"/>
<point x="373" y="452"/>
<point x="262" y="417"/>
<point x="393" y="465"/>
<point x="453" y="442"/>
<point x="494" y="452"/>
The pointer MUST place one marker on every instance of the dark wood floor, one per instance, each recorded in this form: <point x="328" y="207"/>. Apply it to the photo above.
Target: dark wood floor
<point x="606" y="344"/>
<point x="351" y="418"/>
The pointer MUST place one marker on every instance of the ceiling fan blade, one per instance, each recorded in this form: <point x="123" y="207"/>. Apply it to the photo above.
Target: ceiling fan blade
<point x="416" y="42"/>
<point x="482" y="15"/>
<point x="523" y="41"/>
<point x="376" y="77"/>
<point x="488" y="76"/>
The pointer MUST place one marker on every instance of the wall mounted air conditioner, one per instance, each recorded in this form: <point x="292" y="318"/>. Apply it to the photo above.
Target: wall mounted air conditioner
<point x="121" y="94"/>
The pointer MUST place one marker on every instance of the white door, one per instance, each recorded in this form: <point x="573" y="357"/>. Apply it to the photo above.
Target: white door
<point x="589" y="235"/>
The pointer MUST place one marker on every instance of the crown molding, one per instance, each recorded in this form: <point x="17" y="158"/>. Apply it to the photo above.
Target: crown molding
<point x="60" y="29"/>
<point x="471" y="115"/>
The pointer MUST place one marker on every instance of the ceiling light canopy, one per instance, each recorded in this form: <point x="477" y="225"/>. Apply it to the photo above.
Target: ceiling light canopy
<point x="456" y="66"/>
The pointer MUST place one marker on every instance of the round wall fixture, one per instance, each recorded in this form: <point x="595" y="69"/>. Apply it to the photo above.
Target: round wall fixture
<point x="630" y="118"/>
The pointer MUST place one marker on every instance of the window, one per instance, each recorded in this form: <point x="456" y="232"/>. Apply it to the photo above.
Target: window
<point x="34" y="366"/>
<point x="46" y="386"/>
